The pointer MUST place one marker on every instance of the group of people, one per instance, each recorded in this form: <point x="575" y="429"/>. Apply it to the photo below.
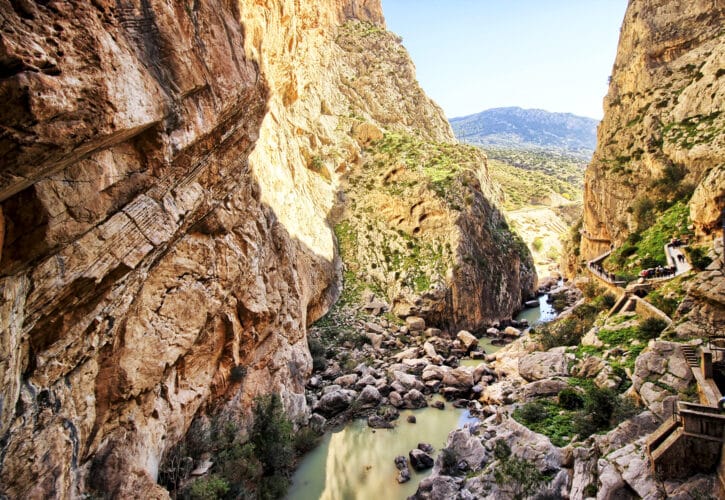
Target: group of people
<point x="658" y="272"/>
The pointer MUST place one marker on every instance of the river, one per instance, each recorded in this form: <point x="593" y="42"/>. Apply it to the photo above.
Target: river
<point x="356" y="462"/>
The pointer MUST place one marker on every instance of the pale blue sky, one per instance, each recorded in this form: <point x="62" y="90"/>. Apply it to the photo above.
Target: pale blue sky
<point x="472" y="55"/>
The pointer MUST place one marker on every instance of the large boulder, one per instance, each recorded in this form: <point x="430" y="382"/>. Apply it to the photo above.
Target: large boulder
<point x="530" y="446"/>
<point x="369" y="397"/>
<point x="407" y="380"/>
<point x="436" y="488"/>
<point x="415" y="324"/>
<point x="431" y="353"/>
<point x="346" y="380"/>
<point x="546" y="387"/>
<point x="541" y="365"/>
<point x="433" y="372"/>
<point x="468" y="340"/>
<point x="335" y="402"/>
<point x="420" y="460"/>
<point x="460" y="378"/>
<point x="415" y="399"/>
<point x="466" y="448"/>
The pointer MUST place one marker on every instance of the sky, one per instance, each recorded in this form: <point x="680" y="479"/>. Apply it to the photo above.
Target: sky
<point x="472" y="55"/>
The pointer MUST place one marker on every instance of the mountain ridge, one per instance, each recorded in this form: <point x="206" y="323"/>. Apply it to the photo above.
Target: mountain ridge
<point x="520" y="128"/>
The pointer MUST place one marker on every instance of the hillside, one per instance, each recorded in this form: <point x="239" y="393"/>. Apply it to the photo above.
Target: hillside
<point x="517" y="128"/>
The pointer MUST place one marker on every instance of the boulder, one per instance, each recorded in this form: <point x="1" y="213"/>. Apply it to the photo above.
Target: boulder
<point x="411" y="419"/>
<point x="466" y="447"/>
<point x="415" y="399"/>
<point x="588" y="367"/>
<point x="376" y="340"/>
<point x="426" y="447"/>
<point x="530" y="446"/>
<point x="396" y="399"/>
<point x="317" y="423"/>
<point x="459" y="378"/>
<point x="330" y="388"/>
<point x="403" y="476"/>
<point x="436" y="488"/>
<point x="468" y="340"/>
<point x="409" y="353"/>
<point x="346" y="380"/>
<point x="432" y="332"/>
<point x="541" y="365"/>
<point x="439" y="405"/>
<point x="415" y="324"/>
<point x="433" y="372"/>
<point x="415" y="365"/>
<point x="335" y="402"/>
<point x="510" y="331"/>
<point x="369" y="397"/>
<point x="402" y="465"/>
<point x="407" y="380"/>
<point x="430" y="351"/>
<point x="420" y="460"/>
<point x="546" y="387"/>
<point x="368" y="379"/>
<point x="378" y="422"/>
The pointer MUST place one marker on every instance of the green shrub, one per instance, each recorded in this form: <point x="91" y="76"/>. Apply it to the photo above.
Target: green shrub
<point x="603" y="409"/>
<point x="449" y="462"/>
<point x="521" y="476"/>
<point x="271" y="435"/>
<point x="651" y="328"/>
<point x="558" y="301"/>
<point x="305" y="439"/>
<point x="208" y="488"/>
<point x="591" y="289"/>
<point x="537" y="244"/>
<point x="569" y="399"/>
<point x="533" y="412"/>
<point x="565" y="332"/>
<point x="501" y="450"/>
<point x="667" y="305"/>
<point x="699" y="258"/>
<point x="590" y="490"/>
<point x="317" y="351"/>
<point x="238" y="373"/>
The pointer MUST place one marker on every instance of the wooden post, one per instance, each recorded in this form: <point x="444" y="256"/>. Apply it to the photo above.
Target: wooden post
<point x="706" y="363"/>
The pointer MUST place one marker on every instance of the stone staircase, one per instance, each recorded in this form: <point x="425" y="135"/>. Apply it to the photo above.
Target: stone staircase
<point x="691" y="356"/>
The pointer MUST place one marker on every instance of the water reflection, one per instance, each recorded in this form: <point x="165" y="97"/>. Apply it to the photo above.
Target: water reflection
<point x="357" y="461"/>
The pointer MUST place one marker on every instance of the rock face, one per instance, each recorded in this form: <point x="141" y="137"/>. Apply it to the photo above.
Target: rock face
<point x="168" y="176"/>
<point x="159" y="226"/>
<point x="662" y="132"/>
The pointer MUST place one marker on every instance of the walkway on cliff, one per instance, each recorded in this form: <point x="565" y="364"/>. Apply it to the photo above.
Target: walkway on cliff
<point x="676" y="260"/>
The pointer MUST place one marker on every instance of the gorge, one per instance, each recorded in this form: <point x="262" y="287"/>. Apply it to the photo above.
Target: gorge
<point x="188" y="187"/>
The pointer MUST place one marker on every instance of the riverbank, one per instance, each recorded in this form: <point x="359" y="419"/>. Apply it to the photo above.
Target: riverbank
<point x="392" y="387"/>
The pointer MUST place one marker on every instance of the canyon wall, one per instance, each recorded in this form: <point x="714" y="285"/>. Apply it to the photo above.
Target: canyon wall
<point x="171" y="174"/>
<point x="663" y="132"/>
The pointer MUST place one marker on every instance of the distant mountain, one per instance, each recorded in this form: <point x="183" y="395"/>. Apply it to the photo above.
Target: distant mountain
<point x="517" y="128"/>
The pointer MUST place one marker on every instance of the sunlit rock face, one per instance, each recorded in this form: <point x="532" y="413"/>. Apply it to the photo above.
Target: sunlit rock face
<point x="169" y="173"/>
<point x="141" y="260"/>
<point x="664" y="123"/>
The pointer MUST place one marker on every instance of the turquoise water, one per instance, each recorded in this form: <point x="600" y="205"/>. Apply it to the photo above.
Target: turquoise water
<point x="356" y="463"/>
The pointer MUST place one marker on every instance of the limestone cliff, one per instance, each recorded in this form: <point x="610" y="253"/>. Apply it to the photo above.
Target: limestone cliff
<point x="662" y="140"/>
<point x="663" y="131"/>
<point x="169" y="170"/>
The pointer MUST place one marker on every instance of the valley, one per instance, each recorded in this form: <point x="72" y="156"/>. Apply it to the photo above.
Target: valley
<point x="232" y="231"/>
